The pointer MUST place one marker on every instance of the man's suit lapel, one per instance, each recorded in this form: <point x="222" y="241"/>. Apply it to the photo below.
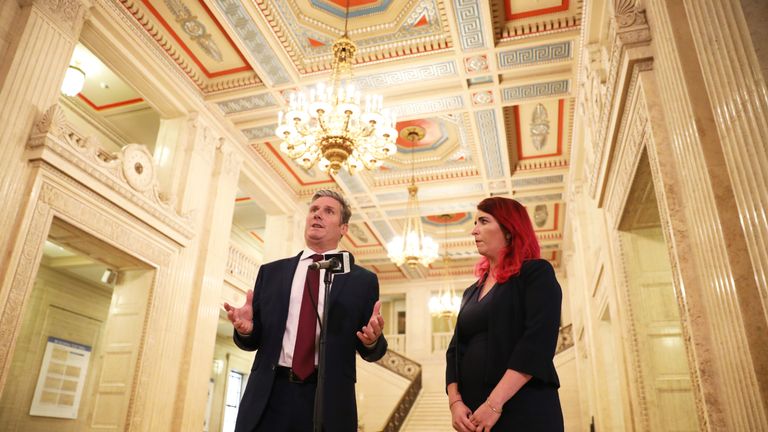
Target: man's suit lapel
<point x="285" y="282"/>
<point x="339" y="282"/>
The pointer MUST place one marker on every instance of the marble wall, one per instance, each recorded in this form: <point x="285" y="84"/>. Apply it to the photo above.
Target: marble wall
<point x="681" y="92"/>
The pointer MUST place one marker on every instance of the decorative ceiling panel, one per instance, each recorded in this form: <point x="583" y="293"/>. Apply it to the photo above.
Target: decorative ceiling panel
<point x="536" y="90"/>
<point x="495" y="101"/>
<point x="470" y="24"/>
<point x="490" y="143"/>
<point x="381" y="30"/>
<point x="539" y="129"/>
<point x="539" y="54"/>
<point x="190" y="34"/>
<point x="406" y="76"/>
<point x="428" y="106"/>
<point x="522" y="18"/>
<point x="297" y="177"/>
<point x="517" y="9"/>
<point x="360" y="235"/>
<point x="538" y="134"/>
<point x="247" y="103"/>
<point x="248" y="33"/>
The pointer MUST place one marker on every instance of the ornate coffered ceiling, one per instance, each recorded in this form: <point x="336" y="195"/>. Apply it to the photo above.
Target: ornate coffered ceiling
<point x="491" y="82"/>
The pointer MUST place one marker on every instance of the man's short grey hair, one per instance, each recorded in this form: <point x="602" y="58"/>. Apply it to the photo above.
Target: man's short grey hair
<point x="346" y="211"/>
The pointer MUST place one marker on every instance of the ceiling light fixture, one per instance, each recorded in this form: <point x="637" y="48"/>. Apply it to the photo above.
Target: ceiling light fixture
<point x="74" y="79"/>
<point x="330" y="126"/>
<point x="413" y="247"/>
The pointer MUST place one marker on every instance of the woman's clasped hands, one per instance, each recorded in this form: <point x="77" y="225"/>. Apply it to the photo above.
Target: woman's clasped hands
<point x="482" y="420"/>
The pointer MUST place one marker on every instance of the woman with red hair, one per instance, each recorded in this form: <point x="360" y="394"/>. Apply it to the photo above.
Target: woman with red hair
<point x="500" y="375"/>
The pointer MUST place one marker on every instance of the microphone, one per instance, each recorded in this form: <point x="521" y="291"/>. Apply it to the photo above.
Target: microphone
<point x="325" y="264"/>
<point x="337" y="263"/>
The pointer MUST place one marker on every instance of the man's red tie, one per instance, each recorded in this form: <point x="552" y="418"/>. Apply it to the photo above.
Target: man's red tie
<point x="304" y="350"/>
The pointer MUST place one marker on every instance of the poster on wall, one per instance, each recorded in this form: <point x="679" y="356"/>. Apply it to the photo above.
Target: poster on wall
<point x="61" y="380"/>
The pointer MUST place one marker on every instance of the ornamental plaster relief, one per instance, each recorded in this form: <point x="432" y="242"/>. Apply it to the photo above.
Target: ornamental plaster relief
<point x="117" y="14"/>
<point x="628" y="29"/>
<point x="22" y="281"/>
<point x="631" y="142"/>
<point x="67" y="15"/>
<point x="232" y="160"/>
<point x="592" y="87"/>
<point x="69" y="200"/>
<point x="633" y="130"/>
<point x="63" y="197"/>
<point x="204" y="139"/>
<point x="131" y="173"/>
<point x="146" y="21"/>
<point x="628" y="12"/>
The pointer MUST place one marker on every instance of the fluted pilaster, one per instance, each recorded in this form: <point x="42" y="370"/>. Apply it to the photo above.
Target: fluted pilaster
<point x="739" y="98"/>
<point x="203" y="178"/>
<point x="727" y="288"/>
<point x="32" y="71"/>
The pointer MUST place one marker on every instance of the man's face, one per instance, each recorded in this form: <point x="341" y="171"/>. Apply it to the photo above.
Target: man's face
<point x="323" y="228"/>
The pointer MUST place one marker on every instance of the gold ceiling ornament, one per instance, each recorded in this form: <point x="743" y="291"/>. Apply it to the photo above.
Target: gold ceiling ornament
<point x="445" y="303"/>
<point x="413" y="247"/>
<point x="335" y="126"/>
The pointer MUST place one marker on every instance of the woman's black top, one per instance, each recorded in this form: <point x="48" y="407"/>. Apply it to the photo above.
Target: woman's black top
<point x="514" y="326"/>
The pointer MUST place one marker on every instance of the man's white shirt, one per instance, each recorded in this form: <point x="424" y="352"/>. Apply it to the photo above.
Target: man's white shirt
<point x="294" y="307"/>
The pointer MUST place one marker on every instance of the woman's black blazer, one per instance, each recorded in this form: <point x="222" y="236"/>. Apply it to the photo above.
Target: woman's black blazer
<point x="522" y="326"/>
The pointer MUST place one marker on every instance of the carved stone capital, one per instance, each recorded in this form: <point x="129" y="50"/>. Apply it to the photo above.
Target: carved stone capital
<point x="627" y="12"/>
<point x="67" y="15"/>
<point x="631" y="23"/>
<point x="231" y="162"/>
<point x="53" y="122"/>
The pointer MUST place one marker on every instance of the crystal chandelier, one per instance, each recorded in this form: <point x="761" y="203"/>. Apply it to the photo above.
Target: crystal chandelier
<point x="445" y="303"/>
<point x="413" y="247"/>
<point x="330" y="126"/>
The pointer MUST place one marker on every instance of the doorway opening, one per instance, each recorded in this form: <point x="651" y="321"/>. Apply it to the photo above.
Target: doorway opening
<point x="76" y="352"/>
<point x="665" y="379"/>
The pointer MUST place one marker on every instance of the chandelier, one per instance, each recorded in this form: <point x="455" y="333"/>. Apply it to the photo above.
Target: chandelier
<point x="334" y="126"/>
<point x="445" y="303"/>
<point x="413" y="247"/>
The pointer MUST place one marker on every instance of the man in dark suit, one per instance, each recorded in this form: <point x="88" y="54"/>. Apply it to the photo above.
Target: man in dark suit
<point x="280" y="320"/>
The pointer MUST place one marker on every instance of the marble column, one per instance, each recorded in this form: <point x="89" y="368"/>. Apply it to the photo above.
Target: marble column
<point x="279" y="229"/>
<point x="738" y="95"/>
<point x="418" y="332"/>
<point x="756" y="15"/>
<point x="714" y="113"/>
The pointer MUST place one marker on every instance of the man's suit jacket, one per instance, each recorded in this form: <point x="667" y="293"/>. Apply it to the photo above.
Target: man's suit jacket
<point x="350" y="303"/>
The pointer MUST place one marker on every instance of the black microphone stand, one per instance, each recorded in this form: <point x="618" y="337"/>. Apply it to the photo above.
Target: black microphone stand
<point x="319" y="391"/>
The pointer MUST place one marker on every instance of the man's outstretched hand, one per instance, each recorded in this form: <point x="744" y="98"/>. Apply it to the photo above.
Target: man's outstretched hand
<point x="242" y="317"/>
<point x="371" y="332"/>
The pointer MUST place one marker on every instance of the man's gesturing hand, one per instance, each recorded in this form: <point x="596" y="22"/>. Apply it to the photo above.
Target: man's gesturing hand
<point x="242" y="317"/>
<point x="371" y="332"/>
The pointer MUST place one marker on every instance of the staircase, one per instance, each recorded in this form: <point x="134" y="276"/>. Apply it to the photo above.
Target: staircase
<point x="429" y="414"/>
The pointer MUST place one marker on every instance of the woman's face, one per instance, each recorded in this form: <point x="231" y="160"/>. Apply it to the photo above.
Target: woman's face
<point x="489" y="237"/>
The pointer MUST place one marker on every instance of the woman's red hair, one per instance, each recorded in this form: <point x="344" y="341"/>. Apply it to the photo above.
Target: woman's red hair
<point x="523" y="246"/>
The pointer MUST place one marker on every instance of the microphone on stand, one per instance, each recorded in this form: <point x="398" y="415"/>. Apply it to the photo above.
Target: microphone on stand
<point x="326" y="264"/>
<point x="337" y="263"/>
